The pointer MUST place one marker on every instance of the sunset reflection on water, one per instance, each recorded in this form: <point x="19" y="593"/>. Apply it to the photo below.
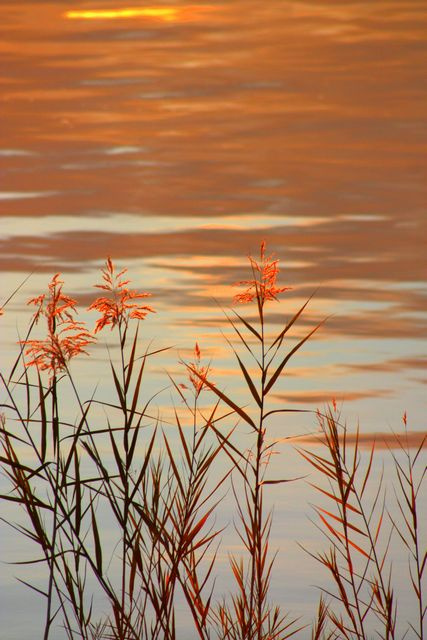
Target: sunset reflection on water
<point x="175" y="137"/>
<point x="111" y="14"/>
<point x="168" y="14"/>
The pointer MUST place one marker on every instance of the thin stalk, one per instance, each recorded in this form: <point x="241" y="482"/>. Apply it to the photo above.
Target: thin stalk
<point x="125" y="514"/>
<point x="256" y="594"/>
<point x="51" y="560"/>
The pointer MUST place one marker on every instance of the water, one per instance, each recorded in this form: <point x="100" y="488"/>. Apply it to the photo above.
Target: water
<point x="176" y="137"/>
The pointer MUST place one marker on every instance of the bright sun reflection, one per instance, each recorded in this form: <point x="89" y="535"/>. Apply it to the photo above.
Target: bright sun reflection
<point x="164" y="13"/>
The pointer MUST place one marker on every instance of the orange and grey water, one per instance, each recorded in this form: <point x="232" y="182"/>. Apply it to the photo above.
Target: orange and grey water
<point x="175" y="137"/>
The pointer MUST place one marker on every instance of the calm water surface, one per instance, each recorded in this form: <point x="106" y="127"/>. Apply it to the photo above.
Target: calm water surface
<point x="175" y="137"/>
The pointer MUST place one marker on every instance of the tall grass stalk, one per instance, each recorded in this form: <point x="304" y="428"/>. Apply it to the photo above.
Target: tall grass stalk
<point x="251" y="615"/>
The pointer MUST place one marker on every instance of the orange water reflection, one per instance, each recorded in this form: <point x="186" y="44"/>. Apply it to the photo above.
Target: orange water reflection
<point x="167" y="14"/>
<point x="381" y="439"/>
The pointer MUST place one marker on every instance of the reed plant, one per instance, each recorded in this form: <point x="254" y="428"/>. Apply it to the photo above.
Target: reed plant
<point x="117" y="462"/>
<point x="360" y="524"/>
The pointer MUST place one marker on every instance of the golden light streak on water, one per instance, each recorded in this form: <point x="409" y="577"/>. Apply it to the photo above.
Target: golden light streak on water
<point x="168" y="14"/>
